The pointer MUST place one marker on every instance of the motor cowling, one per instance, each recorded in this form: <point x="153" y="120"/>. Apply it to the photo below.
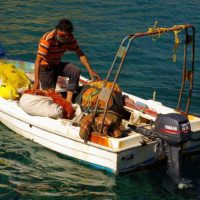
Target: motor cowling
<point x="173" y="128"/>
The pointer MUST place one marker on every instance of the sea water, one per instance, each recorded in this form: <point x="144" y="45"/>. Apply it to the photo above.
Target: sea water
<point x="30" y="171"/>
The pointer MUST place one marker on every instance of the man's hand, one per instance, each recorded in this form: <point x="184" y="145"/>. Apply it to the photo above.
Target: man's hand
<point x="94" y="76"/>
<point x="85" y="62"/>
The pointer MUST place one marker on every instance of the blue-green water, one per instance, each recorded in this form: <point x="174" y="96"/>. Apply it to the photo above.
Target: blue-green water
<point x="29" y="171"/>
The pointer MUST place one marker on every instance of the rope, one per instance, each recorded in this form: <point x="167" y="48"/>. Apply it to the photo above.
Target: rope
<point x="89" y="99"/>
<point x="155" y="28"/>
<point x="177" y="41"/>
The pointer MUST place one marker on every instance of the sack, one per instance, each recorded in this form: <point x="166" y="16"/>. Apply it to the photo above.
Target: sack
<point x="68" y="110"/>
<point x="43" y="106"/>
<point x="90" y="92"/>
<point x="112" y="125"/>
<point x="86" y="126"/>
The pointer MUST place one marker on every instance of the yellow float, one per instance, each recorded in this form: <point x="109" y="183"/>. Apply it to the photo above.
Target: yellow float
<point x="12" y="81"/>
<point x="8" y="92"/>
<point x="10" y="75"/>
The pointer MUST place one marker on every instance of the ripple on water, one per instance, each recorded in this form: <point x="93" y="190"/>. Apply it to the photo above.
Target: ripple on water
<point x="29" y="171"/>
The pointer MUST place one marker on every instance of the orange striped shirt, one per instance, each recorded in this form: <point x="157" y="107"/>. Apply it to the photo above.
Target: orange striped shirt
<point x="51" y="51"/>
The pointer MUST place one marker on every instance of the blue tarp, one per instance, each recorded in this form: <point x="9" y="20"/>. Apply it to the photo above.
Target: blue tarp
<point x="2" y="52"/>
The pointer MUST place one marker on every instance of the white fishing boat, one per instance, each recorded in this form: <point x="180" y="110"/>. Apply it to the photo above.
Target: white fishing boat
<point x="152" y="132"/>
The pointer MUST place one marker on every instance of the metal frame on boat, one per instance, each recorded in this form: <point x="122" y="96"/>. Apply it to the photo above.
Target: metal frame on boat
<point x="186" y="74"/>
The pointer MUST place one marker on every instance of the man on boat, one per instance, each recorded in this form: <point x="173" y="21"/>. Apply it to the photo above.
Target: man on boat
<point x="48" y="65"/>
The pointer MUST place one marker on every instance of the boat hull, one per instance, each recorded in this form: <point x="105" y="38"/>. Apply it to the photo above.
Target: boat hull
<point x="113" y="160"/>
<point x="122" y="154"/>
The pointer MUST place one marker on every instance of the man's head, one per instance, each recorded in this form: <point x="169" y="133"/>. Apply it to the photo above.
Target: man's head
<point x="63" y="30"/>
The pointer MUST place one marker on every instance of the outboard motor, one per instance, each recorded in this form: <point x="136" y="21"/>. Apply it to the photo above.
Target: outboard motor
<point x="174" y="129"/>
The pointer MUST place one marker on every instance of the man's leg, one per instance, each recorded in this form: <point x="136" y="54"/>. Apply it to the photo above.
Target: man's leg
<point x="69" y="96"/>
<point x="47" y="77"/>
<point x="73" y="72"/>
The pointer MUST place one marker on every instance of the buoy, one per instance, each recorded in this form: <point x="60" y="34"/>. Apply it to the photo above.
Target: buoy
<point x="8" y="92"/>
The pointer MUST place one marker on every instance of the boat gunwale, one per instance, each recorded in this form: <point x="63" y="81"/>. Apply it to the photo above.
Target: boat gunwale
<point x="78" y="139"/>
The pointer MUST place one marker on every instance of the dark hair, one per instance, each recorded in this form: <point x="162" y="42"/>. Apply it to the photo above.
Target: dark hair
<point x="65" y="25"/>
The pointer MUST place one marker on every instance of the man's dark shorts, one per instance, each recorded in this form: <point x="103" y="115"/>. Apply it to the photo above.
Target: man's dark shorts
<point x="49" y="75"/>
